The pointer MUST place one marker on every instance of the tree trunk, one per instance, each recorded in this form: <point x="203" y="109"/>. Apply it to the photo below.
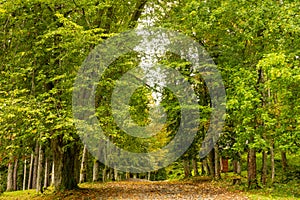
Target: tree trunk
<point x="15" y="175"/>
<point x="127" y="175"/>
<point x="202" y="168"/>
<point x="10" y="172"/>
<point x="252" y="180"/>
<point x="237" y="170"/>
<point x="238" y="167"/>
<point x="52" y="174"/>
<point x="64" y="165"/>
<point x="272" y="163"/>
<point x="264" y="168"/>
<point x="96" y="171"/>
<point x="221" y="164"/>
<point x="30" y="172"/>
<point x="138" y="10"/>
<point x="39" y="177"/>
<point x="217" y="163"/>
<point x="205" y="167"/>
<point x="46" y="175"/>
<point x="149" y="176"/>
<point x="35" y="165"/>
<point x="211" y="163"/>
<point x="104" y="174"/>
<point x="83" y="168"/>
<point x="77" y="165"/>
<point x="116" y="174"/>
<point x="186" y="167"/>
<point x="195" y="167"/>
<point x="110" y="174"/>
<point x="238" y="164"/>
<point x="69" y="169"/>
<point x="284" y="161"/>
<point x="234" y="163"/>
<point x="24" y="174"/>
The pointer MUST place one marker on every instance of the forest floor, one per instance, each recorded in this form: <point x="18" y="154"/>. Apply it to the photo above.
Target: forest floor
<point x="161" y="190"/>
<point x="194" y="189"/>
<point x="141" y="189"/>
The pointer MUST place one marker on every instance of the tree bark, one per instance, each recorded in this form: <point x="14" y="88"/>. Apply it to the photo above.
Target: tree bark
<point x="10" y="184"/>
<point x="264" y="168"/>
<point x="83" y="168"/>
<point x="238" y="164"/>
<point x="24" y="174"/>
<point x="52" y="174"/>
<point x="77" y="165"/>
<point x="284" y="161"/>
<point x="69" y="169"/>
<point x="110" y="174"/>
<point x="205" y="167"/>
<point x="140" y="5"/>
<point x="96" y="171"/>
<point x="35" y="165"/>
<point x="46" y="175"/>
<point x="272" y="163"/>
<point x="64" y="165"/>
<point x="104" y="174"/>
<point x="221" y="164"/>
<point x="30" y="172"/>
<point x="58" y="166"/>
<point x="217" y="163"/>
<point x="15" y="175"/>
<point x="202" y="167"/>
<point x="211" y="163"/>
<point x="127" y="175"/>
<point x="234" y="163"/>
<point x="39" y="177"/>
<point x="186" y="167"/>
<point x="195" y="167"/>
<point x="239" y="168"/>
<point x="252" y="179"/>
<point x="116" y="174"/>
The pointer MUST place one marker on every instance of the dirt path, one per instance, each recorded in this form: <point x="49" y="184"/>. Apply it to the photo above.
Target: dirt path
<point x="154" y="190"/>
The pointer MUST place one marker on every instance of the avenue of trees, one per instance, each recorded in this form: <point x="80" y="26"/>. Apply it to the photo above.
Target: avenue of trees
<point x="255" y="45"/>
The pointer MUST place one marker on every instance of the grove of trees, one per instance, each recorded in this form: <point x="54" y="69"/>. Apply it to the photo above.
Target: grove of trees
<point x="255" y="45"/>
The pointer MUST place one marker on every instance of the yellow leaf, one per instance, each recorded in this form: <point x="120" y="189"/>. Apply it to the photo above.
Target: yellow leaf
<point x="2" y="10"/>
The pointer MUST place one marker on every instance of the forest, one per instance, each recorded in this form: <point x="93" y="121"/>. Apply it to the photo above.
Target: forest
<point x="254" y="45"/>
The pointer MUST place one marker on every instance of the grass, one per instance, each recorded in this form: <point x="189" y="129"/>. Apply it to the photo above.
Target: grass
<point x="288" y="191"/>
<point x="280" y="191"/>
<point x="27" y="194"/>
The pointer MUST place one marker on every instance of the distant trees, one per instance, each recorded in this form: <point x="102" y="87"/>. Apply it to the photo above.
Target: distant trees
<point x="252" y="47"/>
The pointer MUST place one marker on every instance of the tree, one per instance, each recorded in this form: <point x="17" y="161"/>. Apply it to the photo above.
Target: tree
<point x="44" y="43"/>
<point x="240" y="36"/>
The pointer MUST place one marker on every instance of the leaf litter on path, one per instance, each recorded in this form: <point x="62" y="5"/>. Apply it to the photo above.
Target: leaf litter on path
<point x="154" y="190"/>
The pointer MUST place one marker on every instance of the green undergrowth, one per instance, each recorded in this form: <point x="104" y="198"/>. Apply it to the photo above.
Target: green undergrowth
<point x="286" y="184"/>
<point x="27" y="194"/>
<point x="278" y="190"/>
